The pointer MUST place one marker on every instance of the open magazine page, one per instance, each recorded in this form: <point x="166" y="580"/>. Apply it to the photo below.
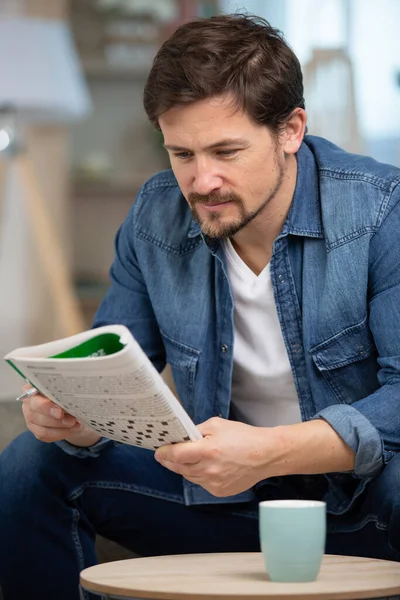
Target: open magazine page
<point x="120" y="396"/>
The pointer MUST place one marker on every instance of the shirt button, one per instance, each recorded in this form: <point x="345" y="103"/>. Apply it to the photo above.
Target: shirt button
<point x="224" y="348"/>
<point x="281" y="278"/>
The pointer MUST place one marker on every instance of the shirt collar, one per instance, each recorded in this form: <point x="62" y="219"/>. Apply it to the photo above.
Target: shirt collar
<point x="304" y="217"/>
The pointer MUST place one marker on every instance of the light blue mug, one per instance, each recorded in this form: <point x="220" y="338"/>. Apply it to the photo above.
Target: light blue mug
<point x="292" y="537"/>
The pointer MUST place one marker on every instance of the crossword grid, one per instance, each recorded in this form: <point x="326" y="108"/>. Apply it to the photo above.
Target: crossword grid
<point x="143" y="433"/>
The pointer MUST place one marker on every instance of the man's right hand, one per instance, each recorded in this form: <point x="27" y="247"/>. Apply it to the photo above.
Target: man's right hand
<point x="50" y="423"/>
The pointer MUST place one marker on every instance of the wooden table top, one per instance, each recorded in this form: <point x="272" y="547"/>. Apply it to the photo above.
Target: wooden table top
<point x="238" y="576"/>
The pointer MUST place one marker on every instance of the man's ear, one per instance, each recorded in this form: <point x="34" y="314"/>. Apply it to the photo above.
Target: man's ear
<point x="294" y="131"/>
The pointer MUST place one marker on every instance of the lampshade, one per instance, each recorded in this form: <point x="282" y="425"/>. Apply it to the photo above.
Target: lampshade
<point x="40" y="74"/>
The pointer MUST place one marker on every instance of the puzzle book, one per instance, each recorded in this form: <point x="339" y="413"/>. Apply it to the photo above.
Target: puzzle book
<point x="104" y="379"/>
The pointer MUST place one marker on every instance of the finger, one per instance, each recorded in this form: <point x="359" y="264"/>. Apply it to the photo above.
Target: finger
<point x="171" y="466"/>
<point x="44" y="413"/>
<point x="183" y="453"/>
<point x="43" y="420"/>
<point x="49" y="434"/>
<point x="45" y="406"/>
<point x="210" y="426"/>
<point x="177" y="468"/>
<point x="188" y="471"/>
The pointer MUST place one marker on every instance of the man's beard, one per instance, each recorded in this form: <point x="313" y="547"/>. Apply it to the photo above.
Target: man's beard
<point x="212" y="225"/>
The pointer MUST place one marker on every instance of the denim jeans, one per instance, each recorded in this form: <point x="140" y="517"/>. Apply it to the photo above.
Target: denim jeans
<point x="53" y="504"/>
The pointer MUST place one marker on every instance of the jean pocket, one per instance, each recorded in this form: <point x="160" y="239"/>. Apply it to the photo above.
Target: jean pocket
<point x="348" y="362"/>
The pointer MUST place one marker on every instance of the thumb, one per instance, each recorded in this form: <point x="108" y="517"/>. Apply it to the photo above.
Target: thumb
<point x="210" y="426"/>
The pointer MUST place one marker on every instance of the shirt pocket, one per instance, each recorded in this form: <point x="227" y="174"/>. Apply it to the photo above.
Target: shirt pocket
<point x="348" y="363"/>
<point x="183" y="360"/>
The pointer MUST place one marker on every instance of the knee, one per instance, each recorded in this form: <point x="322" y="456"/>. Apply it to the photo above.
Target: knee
<point x="25" y="465"/>
<point x="384" y="495"/>
<point x="388" y="482"/>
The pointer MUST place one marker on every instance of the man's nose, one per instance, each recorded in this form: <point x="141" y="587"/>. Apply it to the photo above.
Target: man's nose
<point x="206" y="179"/>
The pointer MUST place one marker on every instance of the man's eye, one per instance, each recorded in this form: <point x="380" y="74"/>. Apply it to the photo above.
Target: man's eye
<point x="182" y="155"/>
<point x="226" y="152"/>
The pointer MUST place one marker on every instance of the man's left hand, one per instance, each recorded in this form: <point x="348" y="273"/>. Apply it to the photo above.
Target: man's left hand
<point x="230" y="458"/>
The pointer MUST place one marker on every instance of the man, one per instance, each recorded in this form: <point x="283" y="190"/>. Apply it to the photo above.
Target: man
<point x="265" y="269"/>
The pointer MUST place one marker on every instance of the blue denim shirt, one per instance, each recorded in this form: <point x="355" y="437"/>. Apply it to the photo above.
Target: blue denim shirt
<point x="335" y="272"/>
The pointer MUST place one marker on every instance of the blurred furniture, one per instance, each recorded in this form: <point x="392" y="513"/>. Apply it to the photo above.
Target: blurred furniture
<point x="330" y="100"/>
<point x="40" y="84"/>
<point x="119" y="38"/>
<point x="239" y="576"/>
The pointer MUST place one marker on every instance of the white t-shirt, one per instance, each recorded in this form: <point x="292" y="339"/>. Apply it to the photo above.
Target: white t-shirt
<point x="263" y="391"/>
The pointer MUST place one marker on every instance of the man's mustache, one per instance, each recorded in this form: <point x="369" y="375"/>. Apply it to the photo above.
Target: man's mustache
<point x="212" y="198"/>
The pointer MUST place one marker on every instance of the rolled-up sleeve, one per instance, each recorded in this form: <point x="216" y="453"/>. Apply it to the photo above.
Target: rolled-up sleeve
<point x="85" y="452"/>
<point x="359" y="434"/>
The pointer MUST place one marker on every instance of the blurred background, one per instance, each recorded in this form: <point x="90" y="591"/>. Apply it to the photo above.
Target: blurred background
<point x="75" y="144"/>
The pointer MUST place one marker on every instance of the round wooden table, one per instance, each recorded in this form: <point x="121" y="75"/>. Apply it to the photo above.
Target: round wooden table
<point x="238" y="576"/>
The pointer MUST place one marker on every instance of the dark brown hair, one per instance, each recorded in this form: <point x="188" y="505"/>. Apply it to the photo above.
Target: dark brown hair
<point x="237" y="54"/>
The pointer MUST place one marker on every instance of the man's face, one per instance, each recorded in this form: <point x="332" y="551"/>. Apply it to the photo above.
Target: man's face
<point x="228" y="167"/>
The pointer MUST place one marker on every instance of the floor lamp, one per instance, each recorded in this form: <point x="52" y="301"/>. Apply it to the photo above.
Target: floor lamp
<point x="40" y="83"/>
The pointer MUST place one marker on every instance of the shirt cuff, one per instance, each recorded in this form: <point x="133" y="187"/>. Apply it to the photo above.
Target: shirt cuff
<point x="359" y="434"/>
<point x="82" y="452"/>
